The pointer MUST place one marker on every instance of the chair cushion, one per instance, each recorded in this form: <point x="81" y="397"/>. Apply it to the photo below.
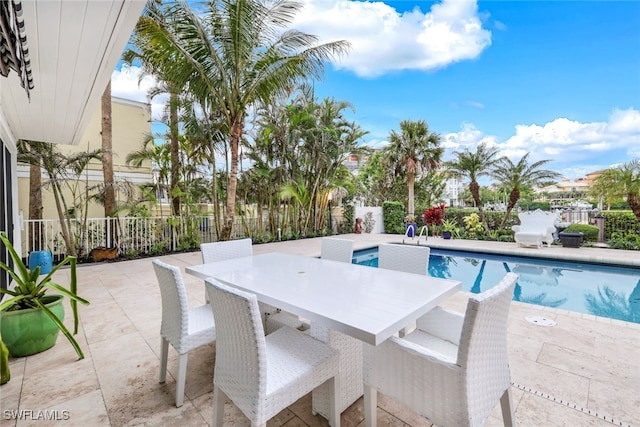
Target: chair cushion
<point x="447" y="349"/>
<point x="293" y="357"/>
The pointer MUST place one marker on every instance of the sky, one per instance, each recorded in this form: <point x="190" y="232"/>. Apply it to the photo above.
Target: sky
<point x="557" y="79"/>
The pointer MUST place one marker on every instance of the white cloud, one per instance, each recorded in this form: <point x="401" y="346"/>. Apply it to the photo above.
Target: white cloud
<point x="126" y="83"/>
<point x="383" y="40"/>
<point x="469" y="137"/>
<point x="568" y="137"/>
<point x="563" y="141"/>
<point x="625" y="122"/>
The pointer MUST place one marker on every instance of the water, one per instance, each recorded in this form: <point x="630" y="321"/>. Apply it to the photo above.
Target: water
<point x="601" y="290"/>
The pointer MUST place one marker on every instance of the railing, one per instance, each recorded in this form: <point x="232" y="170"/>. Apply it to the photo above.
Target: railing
<point x="577" y="216"/>
<point x="132" y="235"/>
<point x="422" y="230"/>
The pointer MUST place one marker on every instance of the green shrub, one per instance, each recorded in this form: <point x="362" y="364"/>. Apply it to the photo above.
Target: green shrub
<point x="494" y="218"/>
<point x="349" y="222"/>
<point x="623" y="240"/>
<point x="619" y="221"/>
<point x="590" y="232"/>
<point x="393" y="217"/>
<point x="621" y="243"/>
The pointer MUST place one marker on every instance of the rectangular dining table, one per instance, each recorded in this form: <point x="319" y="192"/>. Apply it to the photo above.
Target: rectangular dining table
<point x="347" y="304"/>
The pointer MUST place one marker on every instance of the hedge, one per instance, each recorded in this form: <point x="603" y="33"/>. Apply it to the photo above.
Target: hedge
<point x="393" y="217"/>
<point x="621" y="221"/>
<point x="590" y="232"/>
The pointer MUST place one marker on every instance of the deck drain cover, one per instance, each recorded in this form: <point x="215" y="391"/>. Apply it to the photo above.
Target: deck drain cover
<point x="541" y="321"/>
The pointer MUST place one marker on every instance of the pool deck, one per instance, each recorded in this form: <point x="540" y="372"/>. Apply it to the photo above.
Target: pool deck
<point x="584" y="371"/>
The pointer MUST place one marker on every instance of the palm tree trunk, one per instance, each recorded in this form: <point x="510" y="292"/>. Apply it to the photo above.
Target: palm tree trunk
<point x="634" y="204"/>
<point x="71" y="249"/>
<point x="410" y="184"/>
<point x="234" y="141"/>
<point x="513" y="199"/>
<point x="107" y="163"/>
<point x="175" y="159"/>
<point x="474" y="188"/>
<point x="35" y="207"/>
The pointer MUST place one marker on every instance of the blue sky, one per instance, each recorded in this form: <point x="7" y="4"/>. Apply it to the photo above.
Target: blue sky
<point x="560" y="80"/>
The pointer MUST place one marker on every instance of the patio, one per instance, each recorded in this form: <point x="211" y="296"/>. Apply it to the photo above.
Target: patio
<point x="583" y="371"/>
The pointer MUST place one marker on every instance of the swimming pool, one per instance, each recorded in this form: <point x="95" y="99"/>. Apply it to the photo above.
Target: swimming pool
<point x="601" y="290"/>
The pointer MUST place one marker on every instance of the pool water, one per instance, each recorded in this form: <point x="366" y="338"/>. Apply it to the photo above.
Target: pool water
<point x="601" y="290"/>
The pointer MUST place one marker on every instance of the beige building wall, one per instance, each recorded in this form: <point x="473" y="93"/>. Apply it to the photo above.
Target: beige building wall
<point x="131" y="124"/>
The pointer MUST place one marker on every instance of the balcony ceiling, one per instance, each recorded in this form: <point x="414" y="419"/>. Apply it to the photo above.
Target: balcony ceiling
<point x="74" y="46"/>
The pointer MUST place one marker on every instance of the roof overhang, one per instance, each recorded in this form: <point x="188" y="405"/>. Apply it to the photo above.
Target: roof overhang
<point x="74" y="46"/>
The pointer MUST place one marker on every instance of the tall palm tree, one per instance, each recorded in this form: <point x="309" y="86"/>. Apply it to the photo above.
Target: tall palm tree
<point x="109" y="195"/>
<point x="474" y="165"/>
<point x="516" y="176"/>
<point x="621" y="182"/>
<point x="411" y="151"/>
<point x="233" y="53"/>
<point x="35" y="191"/>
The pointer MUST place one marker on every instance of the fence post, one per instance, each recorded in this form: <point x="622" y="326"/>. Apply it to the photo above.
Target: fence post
<point x="600" y="224"/>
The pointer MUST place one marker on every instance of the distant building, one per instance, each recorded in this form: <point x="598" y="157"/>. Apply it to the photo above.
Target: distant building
<point x="354" y="161"/>
<point x="592" y="176"/>
<point x="453" y="192"/>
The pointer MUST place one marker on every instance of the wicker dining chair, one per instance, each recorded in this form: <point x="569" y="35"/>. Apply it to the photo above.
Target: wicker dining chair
<point x="183" y="327"/>
<point x="262" y="375"/>
<point x="272" y="317"/>
<point x="453" y="369"/>
<point x="336" y="249"/>
<point x="407" y="258"/>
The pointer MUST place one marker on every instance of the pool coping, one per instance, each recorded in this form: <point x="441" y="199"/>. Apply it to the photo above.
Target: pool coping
<point x="584" y="254"/>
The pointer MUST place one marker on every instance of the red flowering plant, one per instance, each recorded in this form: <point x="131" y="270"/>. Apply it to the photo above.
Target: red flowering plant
<point x="434" y="216"/>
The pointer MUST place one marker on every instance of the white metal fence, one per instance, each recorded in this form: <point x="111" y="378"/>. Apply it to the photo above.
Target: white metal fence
<point x="132" y="235"/>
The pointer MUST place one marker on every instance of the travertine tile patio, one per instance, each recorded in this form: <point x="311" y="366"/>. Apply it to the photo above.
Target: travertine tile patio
<point x="582" y="372"/>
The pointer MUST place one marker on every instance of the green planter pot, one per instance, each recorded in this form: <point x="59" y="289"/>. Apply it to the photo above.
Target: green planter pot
<point x="27" y="332"/>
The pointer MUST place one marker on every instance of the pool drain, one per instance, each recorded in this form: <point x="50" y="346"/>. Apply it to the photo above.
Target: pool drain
<point x="540" y="321"/>
<point x="579" y="408"/>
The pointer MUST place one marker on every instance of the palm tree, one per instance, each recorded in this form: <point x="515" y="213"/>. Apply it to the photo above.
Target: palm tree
<point x="473" y="165"/>
<point x="621" y="182"/>
<point x="233" y="53"/>
<point x="109" y="195"/>
<point x="35" y="193"/>
<point x="411" y="151"/>
<point x="146" y="41"/>
<point x="517" y="176"/>
<point x="160" y="157"/>
<point x="64" y="173"/>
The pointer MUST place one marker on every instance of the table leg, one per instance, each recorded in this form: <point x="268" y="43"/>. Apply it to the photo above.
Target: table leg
<point x="350" y="361"/>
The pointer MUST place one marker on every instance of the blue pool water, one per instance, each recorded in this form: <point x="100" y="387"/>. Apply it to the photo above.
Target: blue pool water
<point x="602" y="290"/>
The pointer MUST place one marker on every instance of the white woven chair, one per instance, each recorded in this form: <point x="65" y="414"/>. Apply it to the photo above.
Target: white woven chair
<point x="183" y="327"/>
<point x="453" y="369"/>
<point x="273" y="317"/>
<point x="263" y="375"/>
<point x="407" y="258"/>
<point x="336" y="249"/>
<point x="229" y="249"/>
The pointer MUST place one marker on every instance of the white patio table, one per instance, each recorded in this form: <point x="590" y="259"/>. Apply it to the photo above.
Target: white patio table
<point x="347" y="304"/>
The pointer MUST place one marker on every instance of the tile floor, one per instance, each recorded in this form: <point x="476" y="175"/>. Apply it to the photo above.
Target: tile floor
<point x="584" y="371"/>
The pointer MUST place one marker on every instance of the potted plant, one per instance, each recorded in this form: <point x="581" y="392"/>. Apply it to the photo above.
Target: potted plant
<point x="450" y="229"/>
<point x="410" y="224"/>
<point x="30" y="318"/>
